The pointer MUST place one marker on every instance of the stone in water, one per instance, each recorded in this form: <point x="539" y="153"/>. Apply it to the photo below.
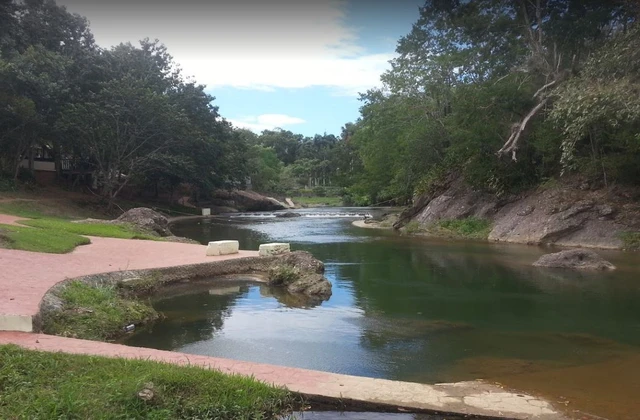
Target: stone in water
<point x="223" y="248"/>
<point x="273" y="249"/>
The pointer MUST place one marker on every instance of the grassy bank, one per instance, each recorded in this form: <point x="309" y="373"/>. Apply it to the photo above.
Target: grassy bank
<point x="97" y="312"/>
<point x="468" y="228"/>
<point x="318" y="201"/>
<point x="39" y="385"/>
<point x="48" y="232"/>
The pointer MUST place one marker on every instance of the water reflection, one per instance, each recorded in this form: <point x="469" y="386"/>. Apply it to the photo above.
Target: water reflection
<point x="415" y="310"/>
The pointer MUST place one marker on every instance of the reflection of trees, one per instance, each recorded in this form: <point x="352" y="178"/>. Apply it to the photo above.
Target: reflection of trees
<point x="191" y="316"/>
<point x="403" y="285"/>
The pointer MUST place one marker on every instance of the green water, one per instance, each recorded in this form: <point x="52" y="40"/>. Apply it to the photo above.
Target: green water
<point x="404" y="308"/>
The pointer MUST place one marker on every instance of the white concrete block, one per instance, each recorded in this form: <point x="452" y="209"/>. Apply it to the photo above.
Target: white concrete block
<point x="223" y="248"/>
<point x="16" y="323"/>
<point x="273" y="249"/>
<point x="206" y="212"/>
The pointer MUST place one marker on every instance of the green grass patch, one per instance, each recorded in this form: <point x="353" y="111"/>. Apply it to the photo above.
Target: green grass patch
<point x="90" y="229"/>
<point x="37" y="385"/>
<point x="39" y="240"/>
<point x="630" y="240"/>
<point x="470" y="228"/>
<point x="283" y="275"/>
<point x="318" y="201"/>
<point x="412" y="228"/>
<point x="95" y="312"/>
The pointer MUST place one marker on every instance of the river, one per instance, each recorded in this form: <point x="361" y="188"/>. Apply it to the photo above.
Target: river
<point x="419" y="310"/>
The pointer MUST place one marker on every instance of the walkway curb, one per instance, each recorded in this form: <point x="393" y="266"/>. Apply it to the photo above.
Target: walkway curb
<point x="463" y="398"/>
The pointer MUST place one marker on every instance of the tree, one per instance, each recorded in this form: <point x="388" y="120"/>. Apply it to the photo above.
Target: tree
<point x="124" y="127"/>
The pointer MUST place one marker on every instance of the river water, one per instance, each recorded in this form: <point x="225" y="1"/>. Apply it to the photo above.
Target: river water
<point x="419" y="310"/>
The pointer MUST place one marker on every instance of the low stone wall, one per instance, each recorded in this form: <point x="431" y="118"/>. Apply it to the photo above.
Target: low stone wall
<point x="310" y="282"/>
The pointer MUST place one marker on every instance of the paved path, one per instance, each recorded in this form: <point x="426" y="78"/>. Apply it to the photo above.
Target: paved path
<point x="6" y="219"/>
<point x="464" y="397"/>
<point x="25" y="276"/>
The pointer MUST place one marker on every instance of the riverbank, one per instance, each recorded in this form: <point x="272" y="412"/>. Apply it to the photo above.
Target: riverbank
<point x="122" y="388"/>
<point x="571" y="213"/>
<point x="468" y="398"/>
<point x="21" y="301"/>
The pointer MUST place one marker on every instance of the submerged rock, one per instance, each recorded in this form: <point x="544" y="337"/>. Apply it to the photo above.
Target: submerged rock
<point x="580" y="259"/>
<point x="288" y="214"/>
<point x="147" y="220"/>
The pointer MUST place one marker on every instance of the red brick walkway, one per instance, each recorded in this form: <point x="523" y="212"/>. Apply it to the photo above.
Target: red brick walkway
<point x="25" y="277"/>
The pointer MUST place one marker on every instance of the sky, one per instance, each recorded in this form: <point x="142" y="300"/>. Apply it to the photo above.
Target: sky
<point x="292" y="64"/>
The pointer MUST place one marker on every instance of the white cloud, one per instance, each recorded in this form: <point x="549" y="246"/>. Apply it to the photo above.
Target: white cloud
<point x="246" y="44"/>
<point x="263" y="122"/>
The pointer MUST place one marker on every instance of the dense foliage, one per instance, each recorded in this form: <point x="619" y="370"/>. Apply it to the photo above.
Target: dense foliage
<point x="507" y="94"/>
<point x="126" y="114"/>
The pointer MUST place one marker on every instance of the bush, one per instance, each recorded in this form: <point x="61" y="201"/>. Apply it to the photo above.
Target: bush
<point x="471" y="227"/>
<point x="319" y="191"/>
<point x="283" y="275"/>
<point x="7" y="184"/>
<point x="630" y="240"/>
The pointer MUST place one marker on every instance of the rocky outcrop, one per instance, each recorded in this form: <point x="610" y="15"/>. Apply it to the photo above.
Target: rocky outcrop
<point x="581" y="259"/>
<point x="246" y="201"/>
<point x="147" y="220"/>
<point x="569" y="214"/>
<point x="302" y="274"/>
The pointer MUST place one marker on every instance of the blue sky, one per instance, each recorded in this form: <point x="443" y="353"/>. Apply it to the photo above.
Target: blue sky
<point x="293" y="64"/>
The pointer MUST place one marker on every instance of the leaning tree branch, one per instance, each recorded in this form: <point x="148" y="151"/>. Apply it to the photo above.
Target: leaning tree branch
<point x="511" y="145"/>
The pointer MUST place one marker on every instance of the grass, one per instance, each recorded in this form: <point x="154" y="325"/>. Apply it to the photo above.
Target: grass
<point x="95" y="312"/>
<point x="48" y="208"/>
<point x="283" y="275"/>
<point x="469" y="228"/>
<point x="318" y="201"/>
<point x="90" y="229"/>
<point x="39" y="240"/>
<point x="413" y="227"/>
<point x="55" y="235"/>
<point x="630" y="240"/>
<point x="37" y="385"/>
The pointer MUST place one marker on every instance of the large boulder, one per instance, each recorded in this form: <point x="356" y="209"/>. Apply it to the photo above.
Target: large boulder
<point x="581" y="259"/>
<point x="246" y="201"/>
<point x="147" y="220"/>
<point x="301" y="274"/>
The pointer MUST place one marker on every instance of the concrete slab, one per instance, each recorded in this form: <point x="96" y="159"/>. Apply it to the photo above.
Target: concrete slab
<point x="265" y="250"/>
<point x="223" y="248"/>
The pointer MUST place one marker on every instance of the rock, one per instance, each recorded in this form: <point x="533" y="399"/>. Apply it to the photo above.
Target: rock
<point x="181" y="240"/>
<point x="606" y="211"/>
<point x="526" y="211"/>
<point x="266" y="250"/>
<point x="223" y="248"/>
<point x="580" y="259"/>
<point x="289" y="203"/>
<point x="288" y="214"/>
<point x="147" y="392"/>
<point x="301" y="274"/>
<point x="246" y="201"/>
<point x="147" y="220"/>
<point x="311" y="285"/>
